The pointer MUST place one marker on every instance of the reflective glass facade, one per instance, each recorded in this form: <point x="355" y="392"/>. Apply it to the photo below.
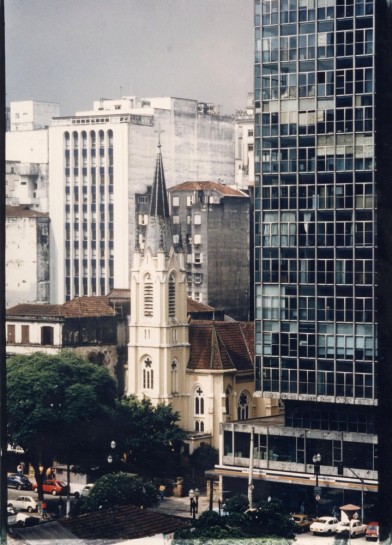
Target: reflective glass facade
<point x="315" y="206"/>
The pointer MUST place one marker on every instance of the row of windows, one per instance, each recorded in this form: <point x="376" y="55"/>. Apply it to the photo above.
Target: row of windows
<point x="320" y="197"/>
<point x="87" y="286"/>
<point x="46" y="335"/>
<point x="88" y="139"/>
<point x="293" y="12"/>
<point x="356" y="385"/>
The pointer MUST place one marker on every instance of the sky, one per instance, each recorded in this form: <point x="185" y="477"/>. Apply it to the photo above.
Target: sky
<point x="76" y="51"/>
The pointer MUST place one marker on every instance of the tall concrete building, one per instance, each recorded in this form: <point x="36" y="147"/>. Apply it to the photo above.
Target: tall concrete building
<point x="100" y="159"/>
<point x="244" y="145"/>
<point x="203" y="213"/>
<point x="322" y="254"/>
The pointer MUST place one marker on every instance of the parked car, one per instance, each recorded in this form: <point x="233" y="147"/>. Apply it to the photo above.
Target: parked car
<point x="23" y="503"/>
<point x="75" y="489"/>
<point x="53" y="486"/>
<point x="22" y="519"/>
<point x="324" y="525"/>
<point x="353" y="528"/>
<point x="86" y="489"/>
<point x="302" y="522"/>
<point x="372" y="531"/>
<point x="20" y="482"/>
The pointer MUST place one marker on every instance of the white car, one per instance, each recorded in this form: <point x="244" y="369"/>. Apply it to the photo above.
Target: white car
<point x="324" y="525"/>
<point x="24" y="503"/>
<point x="86" y="489"/>
<point x="353" y="528"/>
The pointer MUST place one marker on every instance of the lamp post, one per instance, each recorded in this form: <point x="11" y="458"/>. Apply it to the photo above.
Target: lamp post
<point x="112" y="457"/>
<point x="317" y="490"/>
<point x="194" y="502"/>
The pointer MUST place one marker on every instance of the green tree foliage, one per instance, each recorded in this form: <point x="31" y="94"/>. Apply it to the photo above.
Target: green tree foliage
<point x="204" y="457"/>
<point x="116" y="489"/>
<point x="268" y="524"/>
<point x="59" y="406"/>
<point x="150" y="436"/>
<point x="237" y="504"/>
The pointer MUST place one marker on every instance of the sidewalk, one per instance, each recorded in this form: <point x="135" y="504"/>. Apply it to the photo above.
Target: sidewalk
<point x="180" y="507"/>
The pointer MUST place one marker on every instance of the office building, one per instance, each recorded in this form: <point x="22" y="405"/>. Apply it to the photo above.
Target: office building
<point x="217" y="265"/>
<point x="100" y="159"/>
<point x="322" y="253"/>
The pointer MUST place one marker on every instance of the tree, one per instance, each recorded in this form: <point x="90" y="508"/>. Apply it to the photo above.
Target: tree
<point x="237" y="504"/>
<point x="204" y="457"/>
<point x="212" y="529"/>
<point x="116" y="489"/>
<point x="150" y="436"/>
<point x="59" y="406"/>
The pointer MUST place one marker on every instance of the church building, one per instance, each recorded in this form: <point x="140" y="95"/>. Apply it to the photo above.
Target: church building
<point x="204" y="368"/>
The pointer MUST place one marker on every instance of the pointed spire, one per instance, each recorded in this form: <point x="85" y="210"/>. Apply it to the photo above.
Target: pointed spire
<point x="159" y="232"/>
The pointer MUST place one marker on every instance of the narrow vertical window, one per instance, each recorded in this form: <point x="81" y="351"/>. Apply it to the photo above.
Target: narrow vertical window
<point x="148" y="296"/>
<point x="148" y="375"/>
<point x="172" y="297"/>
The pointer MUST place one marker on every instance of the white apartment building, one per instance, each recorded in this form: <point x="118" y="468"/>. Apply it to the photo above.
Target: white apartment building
<point x="99" y="159"/>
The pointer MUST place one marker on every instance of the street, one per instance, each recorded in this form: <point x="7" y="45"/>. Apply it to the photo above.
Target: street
<point x="309" y="539"/>
<point x="52" y="501"/>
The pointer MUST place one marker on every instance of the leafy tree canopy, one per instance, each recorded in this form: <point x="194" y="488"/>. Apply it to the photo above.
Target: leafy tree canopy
<point x="150" y="436"/>
<point x="268" y="524"/>
<point x="116" y="489"/>
<point x="58" y="405"/>
<point x="204" y="457"/>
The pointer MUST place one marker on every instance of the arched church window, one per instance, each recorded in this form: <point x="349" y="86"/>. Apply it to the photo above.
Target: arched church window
<point x="199" y="401"/>
<point x="148" y="375"/>
<point x="243" y="407"/>
<point x="148" y="296"/>
<point x="172" y="296"/>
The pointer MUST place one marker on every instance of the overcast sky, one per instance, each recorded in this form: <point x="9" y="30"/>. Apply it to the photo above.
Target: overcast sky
<point x="76" y="51"/>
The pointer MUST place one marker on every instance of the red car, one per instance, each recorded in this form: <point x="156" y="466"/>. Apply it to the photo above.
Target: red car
<point x="53" y="486"/>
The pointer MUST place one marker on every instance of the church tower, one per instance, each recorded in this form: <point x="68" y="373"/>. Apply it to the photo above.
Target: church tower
<point x="158" y="349"/>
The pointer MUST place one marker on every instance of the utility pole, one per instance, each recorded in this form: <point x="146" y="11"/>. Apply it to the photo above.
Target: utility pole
<point x="3" y="387"/>
<point x="250" y="479"/>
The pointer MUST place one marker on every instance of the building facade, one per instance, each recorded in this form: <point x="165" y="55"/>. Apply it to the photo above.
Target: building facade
<point x="217" y="266"/>
<point x="244" y="145"/>
<point x="320" y="119"/>
<point x="27" y="256"/>
<point x="100" y="159"/>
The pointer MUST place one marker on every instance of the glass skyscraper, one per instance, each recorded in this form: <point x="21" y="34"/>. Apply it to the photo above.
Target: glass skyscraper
<point x="322" y="164"/>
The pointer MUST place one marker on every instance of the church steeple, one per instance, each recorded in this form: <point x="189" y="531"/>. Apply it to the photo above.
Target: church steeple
<point x="159" y="233"/>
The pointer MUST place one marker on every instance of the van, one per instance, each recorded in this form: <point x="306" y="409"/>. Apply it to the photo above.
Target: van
<point x="372" y="531"/>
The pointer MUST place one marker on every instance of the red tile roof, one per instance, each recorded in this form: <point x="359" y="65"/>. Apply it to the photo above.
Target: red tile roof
<point x="205" y="186"/>
<point x="221" y="345"/>
<point x="77" y="308"/>
<point x="195" y="306"/>
<point x="23" y="211"/>
<point x="128" y="522"/>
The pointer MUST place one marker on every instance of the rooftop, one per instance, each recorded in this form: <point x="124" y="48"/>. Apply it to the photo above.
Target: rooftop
<point x="23" y="211"/>
<point x="209" y="186"/>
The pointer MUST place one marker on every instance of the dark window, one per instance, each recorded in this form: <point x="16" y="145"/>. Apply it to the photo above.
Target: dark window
<point x="46" y="335"/>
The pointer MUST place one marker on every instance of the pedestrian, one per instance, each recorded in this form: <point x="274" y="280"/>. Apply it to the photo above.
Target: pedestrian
<point x="335" y="512"/>
<point x="302" y="508"/>
<point x="44" y="508"/>
<point x="162" y="489"/>
<point x="19" y="469"/>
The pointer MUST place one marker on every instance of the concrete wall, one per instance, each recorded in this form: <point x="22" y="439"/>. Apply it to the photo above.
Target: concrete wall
<point x="31" y="114"/>
<point x="27" y="260"/>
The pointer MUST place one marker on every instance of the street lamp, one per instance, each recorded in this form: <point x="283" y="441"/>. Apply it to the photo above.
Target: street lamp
<point x="194" y="502"/>
<point x="111" y="457"/>
<point x="317" y="490"/>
